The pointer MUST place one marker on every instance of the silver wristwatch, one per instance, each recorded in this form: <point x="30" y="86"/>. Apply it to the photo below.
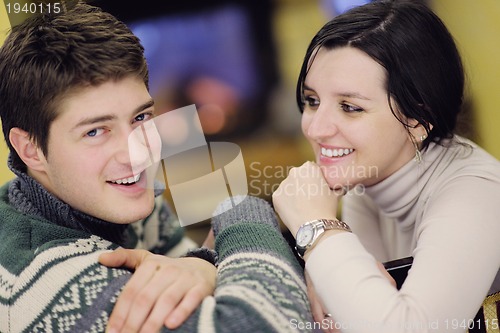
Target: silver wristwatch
<point x="309" y="233"/>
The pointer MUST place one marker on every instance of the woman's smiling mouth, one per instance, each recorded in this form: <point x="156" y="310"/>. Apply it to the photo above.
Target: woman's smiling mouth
<point x="335" y="152"/>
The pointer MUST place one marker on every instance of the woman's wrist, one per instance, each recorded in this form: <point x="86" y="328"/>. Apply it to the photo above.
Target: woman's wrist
<point x="323" y="237"/>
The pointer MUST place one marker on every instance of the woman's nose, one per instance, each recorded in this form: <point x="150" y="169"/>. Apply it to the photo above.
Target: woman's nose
<point x="321" y="125"/>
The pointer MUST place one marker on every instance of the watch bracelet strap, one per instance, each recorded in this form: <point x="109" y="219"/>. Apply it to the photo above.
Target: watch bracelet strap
<point x="327" y="224"/>
<point x="335" y="225"/>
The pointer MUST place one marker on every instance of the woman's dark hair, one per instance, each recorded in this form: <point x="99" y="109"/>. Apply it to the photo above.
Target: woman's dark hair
<point x="425" y="76"/>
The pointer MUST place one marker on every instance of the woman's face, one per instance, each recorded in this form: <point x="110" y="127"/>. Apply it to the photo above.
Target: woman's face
<point x="347" y="119"/>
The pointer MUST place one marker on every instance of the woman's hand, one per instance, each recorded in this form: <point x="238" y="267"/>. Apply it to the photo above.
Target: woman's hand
<point x="304" y="196"/>
<point x="162" y="290"/>
<point x="320" y="316"/>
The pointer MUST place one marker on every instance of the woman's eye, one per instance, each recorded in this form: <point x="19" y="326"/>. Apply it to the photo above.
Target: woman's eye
<point x="350" y="108"/>
<point x="311" y="101"/>
<point x="95" y="132"/>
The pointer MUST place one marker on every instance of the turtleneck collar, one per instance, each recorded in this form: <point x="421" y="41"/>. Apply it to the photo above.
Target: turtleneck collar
<point x="30" y="197"/>
<point x="398" y="194"/>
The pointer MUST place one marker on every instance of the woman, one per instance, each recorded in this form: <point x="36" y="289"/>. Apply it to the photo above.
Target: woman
<point x="380" y="90"/>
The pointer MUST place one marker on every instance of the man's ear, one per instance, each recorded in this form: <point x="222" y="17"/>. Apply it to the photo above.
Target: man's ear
<point x="27" y="150"/>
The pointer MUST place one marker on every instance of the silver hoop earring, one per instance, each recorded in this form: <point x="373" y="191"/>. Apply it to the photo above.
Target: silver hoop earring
<point x="418" y="154"/>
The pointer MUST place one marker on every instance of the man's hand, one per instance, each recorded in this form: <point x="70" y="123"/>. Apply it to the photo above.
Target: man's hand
<point x="162" y="291"/>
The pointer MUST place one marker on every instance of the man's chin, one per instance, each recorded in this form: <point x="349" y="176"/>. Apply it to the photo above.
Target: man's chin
<point x="128" y="215"/>
<point x="128" y="219"/>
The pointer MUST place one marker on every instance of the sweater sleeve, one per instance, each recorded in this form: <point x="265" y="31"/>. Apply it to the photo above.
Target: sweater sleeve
<point x="455" y="262"/>
<point x="260" y="286"/>
<point x="65" y="289"/>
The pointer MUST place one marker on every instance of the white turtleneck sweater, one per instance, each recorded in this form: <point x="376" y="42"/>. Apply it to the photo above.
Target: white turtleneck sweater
<point x="443" y="211"/>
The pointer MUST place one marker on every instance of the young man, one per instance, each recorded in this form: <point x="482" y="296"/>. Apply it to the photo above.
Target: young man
<point x="74" y="86"/>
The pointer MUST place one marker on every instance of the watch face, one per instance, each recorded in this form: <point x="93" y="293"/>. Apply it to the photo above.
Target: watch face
<point x="305" y="235"/>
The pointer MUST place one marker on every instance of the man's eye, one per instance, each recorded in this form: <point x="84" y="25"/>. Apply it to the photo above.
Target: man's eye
<point x="350" y="108"/>
<point x="143" y="116"/>
<point x="95" y="132"/>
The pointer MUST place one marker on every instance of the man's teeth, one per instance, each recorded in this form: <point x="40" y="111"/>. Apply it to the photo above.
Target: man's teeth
<point x="335" y="152"/>
<point x="129" y="180"/>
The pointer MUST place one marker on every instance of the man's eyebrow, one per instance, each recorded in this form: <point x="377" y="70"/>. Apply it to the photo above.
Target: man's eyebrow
<point x="144" y="106"/>
<point x="110" y="117"/>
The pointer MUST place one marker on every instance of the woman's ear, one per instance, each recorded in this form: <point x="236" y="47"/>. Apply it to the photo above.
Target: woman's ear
<point x="418" y="130"/>
<point x="27" y="150"/>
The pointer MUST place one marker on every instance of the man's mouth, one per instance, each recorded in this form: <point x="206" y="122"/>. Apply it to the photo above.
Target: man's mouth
<point x="126" y="181"/>
<point x="336" y="152"/>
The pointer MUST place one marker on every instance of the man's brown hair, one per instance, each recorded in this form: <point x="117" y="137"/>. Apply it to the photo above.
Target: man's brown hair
<point x="51" y="55"/>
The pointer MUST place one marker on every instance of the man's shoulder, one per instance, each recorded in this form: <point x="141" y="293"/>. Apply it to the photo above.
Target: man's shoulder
<point x="62" y="275"/>
<point x="22" y="234"/>
<point x="50" y="276"/>
<point x="18" y="259"/>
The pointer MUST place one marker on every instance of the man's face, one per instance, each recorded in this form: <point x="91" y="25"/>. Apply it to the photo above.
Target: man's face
<point x="88" y="163"/>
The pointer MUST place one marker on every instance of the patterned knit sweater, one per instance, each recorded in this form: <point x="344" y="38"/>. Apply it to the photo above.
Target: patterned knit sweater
<point x="51" y="281"/>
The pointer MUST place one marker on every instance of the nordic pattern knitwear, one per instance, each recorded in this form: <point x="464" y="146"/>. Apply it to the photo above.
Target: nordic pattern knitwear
<point x="51" y="281"/>
<point x="243" y="209"/>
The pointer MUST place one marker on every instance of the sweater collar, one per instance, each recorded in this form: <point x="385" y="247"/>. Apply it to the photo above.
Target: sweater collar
<point x="30" y="197"/>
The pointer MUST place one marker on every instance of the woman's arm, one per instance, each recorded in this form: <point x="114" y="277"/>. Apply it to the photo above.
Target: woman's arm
<point x="455" y="261"/>
<point x="363" y="218"/>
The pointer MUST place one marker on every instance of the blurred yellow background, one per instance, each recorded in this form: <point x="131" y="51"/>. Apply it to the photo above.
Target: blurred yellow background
<point x="5" y="173"/>
<point x="476" y="28"/>
<point x="475" y="25"/>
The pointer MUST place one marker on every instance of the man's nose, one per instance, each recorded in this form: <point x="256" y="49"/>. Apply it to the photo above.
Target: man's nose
<point x="143" y="146"/>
